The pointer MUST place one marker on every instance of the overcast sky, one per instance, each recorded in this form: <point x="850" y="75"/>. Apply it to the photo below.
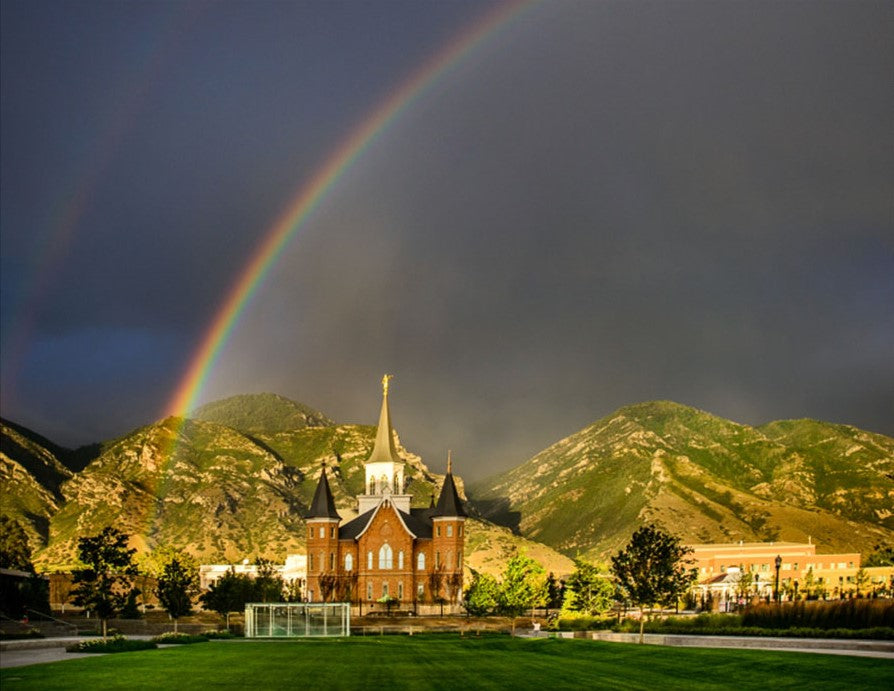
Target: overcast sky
<point x="603" y="203"/>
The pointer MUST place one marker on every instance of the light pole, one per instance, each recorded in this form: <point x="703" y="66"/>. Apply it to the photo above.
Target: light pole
<point x="778" y="565"/>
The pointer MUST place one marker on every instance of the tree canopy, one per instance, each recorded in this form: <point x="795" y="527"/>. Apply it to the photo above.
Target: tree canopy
<point x="652" y="569"/>
<point x="177" y="586"/>
<point x="102" y="585"/>
<point x="588" y="591"/>
<point x="15" y="552"/>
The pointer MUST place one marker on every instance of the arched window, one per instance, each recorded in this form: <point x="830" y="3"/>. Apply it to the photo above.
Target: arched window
<point x="385" y="556"/>
<point x="400" y="560"/>
<point x="420" y="562"/>
<point x="369" y="561"/>
<point x="349" y="562"/>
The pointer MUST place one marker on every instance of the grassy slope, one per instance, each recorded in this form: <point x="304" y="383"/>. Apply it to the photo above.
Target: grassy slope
<point x="705" y="478"/>
<point x="448" y="662"/>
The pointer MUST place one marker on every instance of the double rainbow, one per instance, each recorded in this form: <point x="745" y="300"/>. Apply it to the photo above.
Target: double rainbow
<point x="312" y="193"/>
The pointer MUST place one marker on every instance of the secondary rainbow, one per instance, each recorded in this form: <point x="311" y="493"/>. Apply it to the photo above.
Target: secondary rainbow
<point x="310" y="195"/>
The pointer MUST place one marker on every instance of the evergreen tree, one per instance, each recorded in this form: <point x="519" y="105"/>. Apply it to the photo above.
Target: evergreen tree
<point x="651" y="570"/>
<point x="15" y="552"/>
<point x="103" y="584"/>
<point x="177" y="586"/>
<point x="587" y="591"/>
<point x="555" y="591"/>
<point x="482" y="596"/>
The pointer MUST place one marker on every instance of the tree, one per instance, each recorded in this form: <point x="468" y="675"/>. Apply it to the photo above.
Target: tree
<point x="328" y="584"/>
<point x="15" y="552"/>
<point x="861" y="579"/>
<point x="881" y="555"/>
<point x="177" y="586"/>
<point x="555" y="591"/>
<point x="103" y="584"/>
<point x="229" y="593"/>
<point x="435" y="583"/>
<point x="268" y="584"/>
<point x="523" y="586"/>
<point x="482" y="596"/>
<point x="587" y="591"/>
<point x="652" y="570"/>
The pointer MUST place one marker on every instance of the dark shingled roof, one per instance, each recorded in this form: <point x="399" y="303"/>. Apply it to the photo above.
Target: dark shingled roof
<point x="418" y="521"/>
<point x="323" y="505"/>
<point x="449" y="503"/>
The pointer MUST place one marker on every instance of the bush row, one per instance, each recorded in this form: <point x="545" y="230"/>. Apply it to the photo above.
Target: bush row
<point x="837" y="614"/>
<point x="115" y="644"/>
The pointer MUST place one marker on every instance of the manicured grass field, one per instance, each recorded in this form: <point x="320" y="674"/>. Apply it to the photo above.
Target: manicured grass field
<point x="451" y="662"/>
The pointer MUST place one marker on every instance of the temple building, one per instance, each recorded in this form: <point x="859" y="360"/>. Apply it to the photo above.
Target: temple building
<point x="391" y="552"/>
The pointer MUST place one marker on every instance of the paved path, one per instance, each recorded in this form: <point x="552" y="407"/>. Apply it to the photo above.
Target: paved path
<point x="35" y="651"/>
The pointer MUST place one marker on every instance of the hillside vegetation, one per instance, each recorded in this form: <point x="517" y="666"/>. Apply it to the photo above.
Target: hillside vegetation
<point x="701" y="477"/>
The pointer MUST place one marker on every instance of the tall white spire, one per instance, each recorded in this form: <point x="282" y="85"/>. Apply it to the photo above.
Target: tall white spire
<point x="384" y="468"/>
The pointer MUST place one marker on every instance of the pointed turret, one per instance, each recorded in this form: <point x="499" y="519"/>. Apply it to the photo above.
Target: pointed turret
<point x="323" y="504"/>
<point x="449" y="503"/>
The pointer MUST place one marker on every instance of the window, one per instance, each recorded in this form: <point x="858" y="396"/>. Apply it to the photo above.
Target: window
<point x="437" y="559"/>
<point x="438" y="530"/>
<point x="420" y="591"/>
<point x="460" y="530"/>
<point x="332" y="532"/>
<point x="349" y="562"/>
<point x="384" y="590"/>
<point x="385" y="556"/>
<point x="449" y="531"/>
<point x="310" y="531"/>
<point x="449" y="560"/>
<point x="420" y="562"/>
<point x="400" y="590"/>
<point x="310" y="595"/>
<point x="369" y="561"/>
<point x="400" y="560"/>
<point x="310" y="561"/>
<point x="369" y="590"/>
<point x="332" y="561"/>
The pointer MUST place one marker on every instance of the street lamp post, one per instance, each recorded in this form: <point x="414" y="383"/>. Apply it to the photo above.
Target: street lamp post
<point x="778" y="565"/>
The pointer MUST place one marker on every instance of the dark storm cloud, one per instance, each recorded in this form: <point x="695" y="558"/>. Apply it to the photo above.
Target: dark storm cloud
<point x="606" y="203"/>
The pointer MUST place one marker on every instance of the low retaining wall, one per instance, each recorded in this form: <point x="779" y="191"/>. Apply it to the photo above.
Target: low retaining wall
<point x="757" y="642"/>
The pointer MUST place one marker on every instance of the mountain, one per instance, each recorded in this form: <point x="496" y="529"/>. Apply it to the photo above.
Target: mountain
<point x="220" y="492"/>
<point x="31" y="475"/>
<point x="261" y="413"/>
<point x="701" y="477"/>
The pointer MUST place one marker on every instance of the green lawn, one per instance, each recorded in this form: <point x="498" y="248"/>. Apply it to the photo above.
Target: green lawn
<point x="450" y="662"/>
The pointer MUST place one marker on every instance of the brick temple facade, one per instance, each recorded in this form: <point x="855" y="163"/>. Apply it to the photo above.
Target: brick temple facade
<point x="391" y="551"/>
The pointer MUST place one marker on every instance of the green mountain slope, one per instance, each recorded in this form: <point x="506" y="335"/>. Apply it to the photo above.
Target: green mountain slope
<point x="261" y="413"/>
<point x="224" y="495"/>
<point x="30" y="479"/>
<point x="702" y="477"/>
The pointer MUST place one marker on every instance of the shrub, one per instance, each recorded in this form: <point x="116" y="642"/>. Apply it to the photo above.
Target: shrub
<point x="216" y="635"/>
<point x="584" y="623"/>
<point x="172" y="637"/>
<point x="30" y="633"/>
<point x="837" y="614"/>
<point x="115" y="644"/>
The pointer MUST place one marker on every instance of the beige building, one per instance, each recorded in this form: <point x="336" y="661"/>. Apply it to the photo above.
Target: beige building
<point x="742" y="570"/>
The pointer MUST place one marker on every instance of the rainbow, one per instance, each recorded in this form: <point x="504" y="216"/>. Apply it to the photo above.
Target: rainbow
<point x="312" y="193"/>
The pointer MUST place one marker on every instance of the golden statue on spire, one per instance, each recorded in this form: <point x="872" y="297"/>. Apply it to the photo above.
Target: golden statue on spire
<point x="385" y="380"/>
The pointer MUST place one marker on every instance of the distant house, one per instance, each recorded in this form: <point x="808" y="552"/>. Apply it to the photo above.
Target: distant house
<point x="391" y="553"/>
